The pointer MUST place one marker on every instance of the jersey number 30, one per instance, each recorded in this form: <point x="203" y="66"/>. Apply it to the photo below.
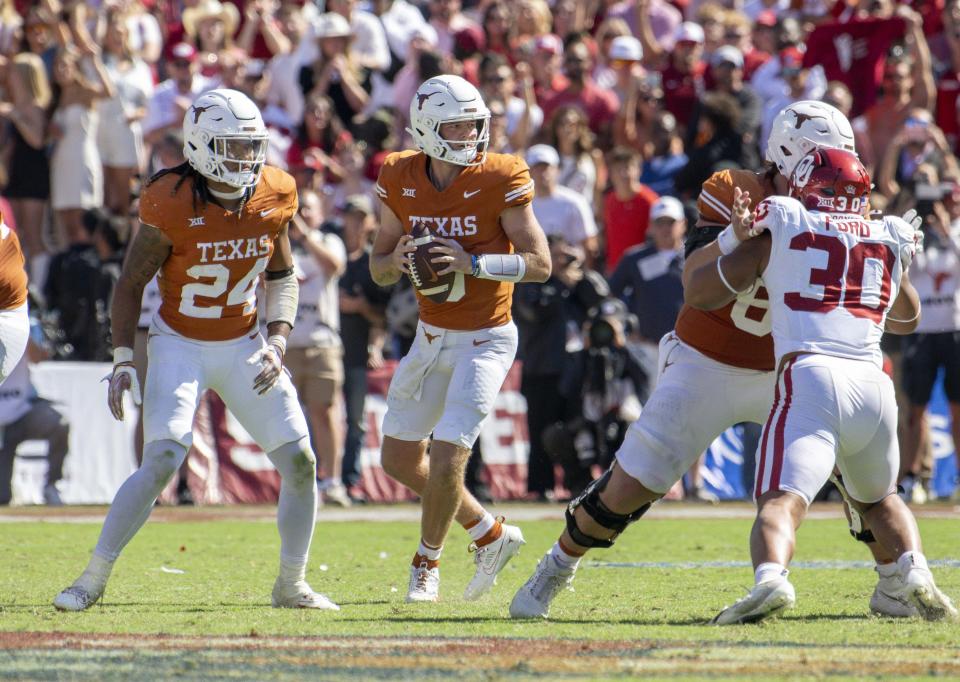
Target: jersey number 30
<point x="845" y="290"/>
<point x="244" y="291"/>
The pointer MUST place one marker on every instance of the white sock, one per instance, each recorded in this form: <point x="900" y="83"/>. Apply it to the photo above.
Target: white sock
<point x="297" y="506"/>
<point x="97" y="572"/>
<point x="769" y="571"/>
<point x="910" y="560"/>
<point x="887" y="570"/>
<point x="482" y="527"/>
<point x="292" y="570"/>
<point x="431" y="553"/>
<point x="562" y="559"/>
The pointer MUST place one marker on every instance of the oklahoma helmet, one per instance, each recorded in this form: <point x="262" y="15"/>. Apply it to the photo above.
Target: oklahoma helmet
<point x="449" y="99"/>
<point x="224" y="138"/>
<point x="831" y="180"/>
<point x="802" y="127"/>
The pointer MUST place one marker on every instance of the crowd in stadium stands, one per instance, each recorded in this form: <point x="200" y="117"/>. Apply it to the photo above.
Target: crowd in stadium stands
<point x="621" y="109"/>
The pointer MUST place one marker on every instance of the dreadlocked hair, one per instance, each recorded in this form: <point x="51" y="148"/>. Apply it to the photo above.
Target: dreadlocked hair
<point x="199" y="187"/>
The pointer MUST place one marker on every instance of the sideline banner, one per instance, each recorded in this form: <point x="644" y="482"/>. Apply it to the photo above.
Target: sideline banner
<point x="226" y="466"/>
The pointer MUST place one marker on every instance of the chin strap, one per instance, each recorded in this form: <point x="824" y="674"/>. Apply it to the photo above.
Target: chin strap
<point x="236" y="194"/>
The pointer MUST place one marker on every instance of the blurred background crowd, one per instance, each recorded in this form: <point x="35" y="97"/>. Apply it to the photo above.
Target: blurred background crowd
<point x="621" y="108"/>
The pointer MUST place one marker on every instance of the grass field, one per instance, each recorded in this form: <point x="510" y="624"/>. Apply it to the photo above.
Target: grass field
<point x="189" y="600"/>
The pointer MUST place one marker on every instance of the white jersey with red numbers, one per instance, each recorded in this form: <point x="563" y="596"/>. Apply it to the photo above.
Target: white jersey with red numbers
<point x="832" y="278"/>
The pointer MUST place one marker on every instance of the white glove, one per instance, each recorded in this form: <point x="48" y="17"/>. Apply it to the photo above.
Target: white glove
<point x="123" y="377"/>
<point x="911" y="237"/>
<point x="270" y="359"/>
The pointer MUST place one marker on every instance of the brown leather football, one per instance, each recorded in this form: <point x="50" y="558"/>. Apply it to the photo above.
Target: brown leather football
<point x="423" y="271"/>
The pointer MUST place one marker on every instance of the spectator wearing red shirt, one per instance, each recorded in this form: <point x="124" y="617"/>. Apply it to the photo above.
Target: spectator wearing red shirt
<point x="683" y="76"/>
<point x="546" y="58"/>
<point x="626" y="207"/>
<point x="599" y="105"/>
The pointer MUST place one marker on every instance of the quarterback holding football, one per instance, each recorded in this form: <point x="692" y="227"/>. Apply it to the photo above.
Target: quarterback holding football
<point x="458" y="222"/>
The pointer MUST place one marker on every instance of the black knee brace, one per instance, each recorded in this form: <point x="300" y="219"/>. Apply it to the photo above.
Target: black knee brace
<point x="590" y="500"/>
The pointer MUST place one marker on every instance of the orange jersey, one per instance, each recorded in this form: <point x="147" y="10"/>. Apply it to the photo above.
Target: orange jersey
<point x="469" y="212"/>
<point x="737" y="334"/>
<point x="208" y="282"/>
<point x="13" y="276"/>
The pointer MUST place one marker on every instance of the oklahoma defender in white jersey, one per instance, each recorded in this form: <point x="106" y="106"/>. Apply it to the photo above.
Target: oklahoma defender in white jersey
<point x="716" y="370"/>
<point x="479" y="206"/>
<point x="832" y="278"/>
<point x="212" y="226"/>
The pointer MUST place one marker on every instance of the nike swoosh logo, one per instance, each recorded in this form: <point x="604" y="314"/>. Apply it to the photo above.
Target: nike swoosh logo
<point x="264" y="214"/>
<point x="467" y="195"/>
<point x="480" y="342"/>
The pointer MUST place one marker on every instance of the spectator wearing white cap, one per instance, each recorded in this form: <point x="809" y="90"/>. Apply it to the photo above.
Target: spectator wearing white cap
<point x="683" y="76"/>
<point x="726" y="75"/>
<point x="624" y="61"/>
<point x="649" y="276"/>
<point x="335" y="73"/>
<point x="369" y="47"/>
<point x="559" y="210"/>
<point x="608" y="30"/>
<point x="626" y="207"/>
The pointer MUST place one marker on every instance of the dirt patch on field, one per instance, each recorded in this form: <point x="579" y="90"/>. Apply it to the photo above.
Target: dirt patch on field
<point x="252" y="657"/>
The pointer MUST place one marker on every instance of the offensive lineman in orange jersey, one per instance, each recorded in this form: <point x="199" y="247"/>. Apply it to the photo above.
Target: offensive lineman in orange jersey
<point x="716" y="370"/>
<point x="14" y="320"/>
<point x="478" y="205"/>
<point x="212" y="226"/>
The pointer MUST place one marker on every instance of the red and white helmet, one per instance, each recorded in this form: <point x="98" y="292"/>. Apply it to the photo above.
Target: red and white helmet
<point x="832" y="181"/>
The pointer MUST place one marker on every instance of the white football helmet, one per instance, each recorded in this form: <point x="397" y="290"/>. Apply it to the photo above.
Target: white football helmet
<point x="449" y="99"/>
<point x="224" y="138"/>
<point x="802" y="127"/>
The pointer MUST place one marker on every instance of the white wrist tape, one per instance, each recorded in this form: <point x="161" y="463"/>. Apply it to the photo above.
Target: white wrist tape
<point x="122" y="354"/>
<point x="502" y="267"/>
<point x="727" y="240"/>
<point x="280" y="341"/>
<point x="282" y="297"/>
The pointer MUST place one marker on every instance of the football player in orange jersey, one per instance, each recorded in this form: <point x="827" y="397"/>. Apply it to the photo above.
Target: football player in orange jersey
<point x="715" y="370"/>
<point x="478" y="207"/>
<point x="212" y="226"/>
<point x="14" y="320"/>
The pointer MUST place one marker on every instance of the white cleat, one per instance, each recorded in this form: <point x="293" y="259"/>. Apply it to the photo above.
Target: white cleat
<point x="77" y="598"/>
<point x="424" y="584"/>
<point x="490" y="560"/>
<point x="890" y="600"/>
<point x="930" y="602"/>
<point x="766" y="599"/>
<point x="534" y="598"/>
<point x="299" y="595"/>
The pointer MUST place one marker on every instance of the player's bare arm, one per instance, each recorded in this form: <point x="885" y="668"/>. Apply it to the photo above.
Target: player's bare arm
<point x="391" y="249"/>
<point x="528" y="241"/>
<point x="738" y="231"/>
<point x="150" y="248"/>
<point x="714" y="284"/>
<point x="904" y="315"/>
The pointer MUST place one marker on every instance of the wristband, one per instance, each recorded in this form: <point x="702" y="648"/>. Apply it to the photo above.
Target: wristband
<point x="500" y="267"/>
<point x="727" y="240"/>
<point x="123" y="355"/>
<point x="279" y="341"/>
<point x="724" y="280"/>
<point x="475" y="264"/>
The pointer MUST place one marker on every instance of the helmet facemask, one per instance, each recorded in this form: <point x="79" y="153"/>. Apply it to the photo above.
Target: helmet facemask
<point x="460" y="152"/>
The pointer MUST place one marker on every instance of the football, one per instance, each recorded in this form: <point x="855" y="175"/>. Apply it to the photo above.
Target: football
<point x="423" y="271"/>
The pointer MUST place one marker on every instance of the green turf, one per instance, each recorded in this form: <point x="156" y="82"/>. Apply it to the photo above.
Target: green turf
<point x="229" y="567"/>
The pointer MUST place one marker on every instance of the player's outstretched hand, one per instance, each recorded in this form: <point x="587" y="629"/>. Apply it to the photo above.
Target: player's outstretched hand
<point x="270" y="360"/>
<point x="402" y="254"/>
<point x="913" y="240"/>
<point x="741" y="215"/>
<point x="123" y="378"/>
<point x="449" y="251"/>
